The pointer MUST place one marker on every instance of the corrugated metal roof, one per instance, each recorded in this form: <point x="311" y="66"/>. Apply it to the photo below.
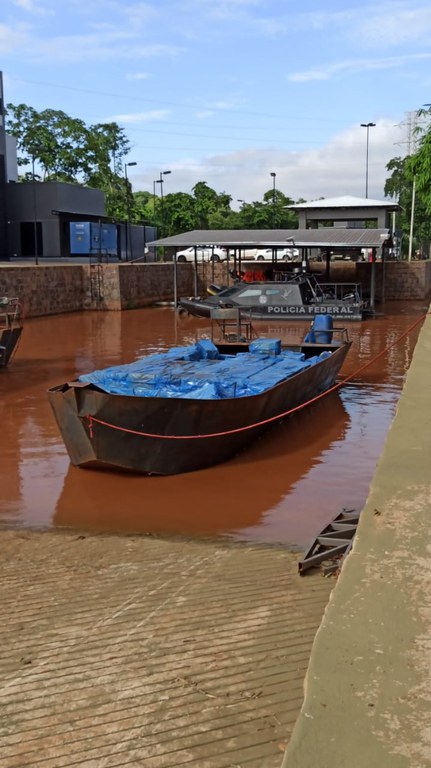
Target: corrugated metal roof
<point x="325" y="237"/>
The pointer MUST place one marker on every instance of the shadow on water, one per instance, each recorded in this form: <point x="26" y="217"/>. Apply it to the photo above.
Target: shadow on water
<point x="283" y="488"/>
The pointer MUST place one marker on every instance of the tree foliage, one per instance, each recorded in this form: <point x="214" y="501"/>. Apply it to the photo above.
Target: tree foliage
<point x="408" y="173"/>
<point x="57" y="147"/>
<point x="65" y="149"/>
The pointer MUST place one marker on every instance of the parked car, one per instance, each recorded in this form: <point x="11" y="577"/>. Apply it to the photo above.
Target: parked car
<point x="204" y="253"/>
<point x="282" y="254"/>
<point x="340" y="256"/>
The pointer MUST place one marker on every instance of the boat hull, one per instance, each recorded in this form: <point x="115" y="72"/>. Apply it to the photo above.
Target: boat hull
<point x="339" y="311"/>
<point x="105" y="431"/>
<point x="9" y="339"/>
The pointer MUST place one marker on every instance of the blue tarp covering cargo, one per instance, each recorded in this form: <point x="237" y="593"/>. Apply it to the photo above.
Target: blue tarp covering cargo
<point x="201" y="372"/>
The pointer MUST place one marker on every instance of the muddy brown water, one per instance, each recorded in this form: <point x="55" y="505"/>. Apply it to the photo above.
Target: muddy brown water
<point x="283" y="488"/>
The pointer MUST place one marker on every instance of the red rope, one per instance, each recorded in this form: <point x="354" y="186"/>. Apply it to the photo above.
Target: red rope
<point x="92" y="420"/>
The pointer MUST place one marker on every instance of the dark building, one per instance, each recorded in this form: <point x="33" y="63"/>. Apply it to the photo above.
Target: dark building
<point x="36" y="216"/>
<point x="7" y="172"/>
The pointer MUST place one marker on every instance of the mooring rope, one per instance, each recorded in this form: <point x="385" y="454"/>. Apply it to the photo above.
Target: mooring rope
<point x="93" y="420"/>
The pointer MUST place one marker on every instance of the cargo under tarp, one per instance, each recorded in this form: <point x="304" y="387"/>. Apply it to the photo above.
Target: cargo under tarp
<point x="202" y="372"/>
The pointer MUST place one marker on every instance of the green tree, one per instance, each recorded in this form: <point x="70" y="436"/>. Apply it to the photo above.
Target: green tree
<point x="207" y="203"/>
<point x="67" y="150"/>
<point x="143" y="208"/>
<point x="399" y="187"/>
<point x="269" y="213"/>
<point x="418" y="165"/>
<point x="179" y="213"/>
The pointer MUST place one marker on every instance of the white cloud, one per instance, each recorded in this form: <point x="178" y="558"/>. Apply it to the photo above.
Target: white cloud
<point x="337" y="168"/>
<point x="139" y="117"/>
<point x="394" y="24"/>
<point x="26" y="5"/>
<point x="353" y="66"/>
<point x="383" y="25"/>
<point x="228" y="9"/>
<point x="140" y="13"/>
<point x="12" y="38"/>
<point x="138" y="76"/>
<point x="94" y="47"/>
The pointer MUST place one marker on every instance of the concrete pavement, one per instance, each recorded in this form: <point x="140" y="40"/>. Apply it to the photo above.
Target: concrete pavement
<point x="368" y="685"/>
<point x="131" y="651"/>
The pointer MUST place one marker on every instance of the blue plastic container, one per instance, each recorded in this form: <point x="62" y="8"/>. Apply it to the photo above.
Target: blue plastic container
<point x="321" y="330"/>
<point x="322" y="327"/>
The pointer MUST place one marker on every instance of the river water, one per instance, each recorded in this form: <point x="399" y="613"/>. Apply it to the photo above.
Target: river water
<point x="282" y="489"/>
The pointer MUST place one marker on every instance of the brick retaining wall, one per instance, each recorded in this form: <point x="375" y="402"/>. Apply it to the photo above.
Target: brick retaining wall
<point x="404" y="281"/>
<point x="44" y="290"/>
<point x="54" y="289"/>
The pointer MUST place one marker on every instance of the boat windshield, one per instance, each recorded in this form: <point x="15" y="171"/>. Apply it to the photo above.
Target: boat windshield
<point x="268" y="294"/>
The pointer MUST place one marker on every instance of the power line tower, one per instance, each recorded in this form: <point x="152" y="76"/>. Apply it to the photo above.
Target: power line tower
<point x="414" y="125"/>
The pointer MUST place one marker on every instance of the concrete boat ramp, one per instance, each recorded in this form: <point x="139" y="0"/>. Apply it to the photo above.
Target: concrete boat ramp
<point x="138" y="651"/>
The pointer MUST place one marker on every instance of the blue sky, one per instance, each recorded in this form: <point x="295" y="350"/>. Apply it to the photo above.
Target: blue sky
<point x="228" y="91"/>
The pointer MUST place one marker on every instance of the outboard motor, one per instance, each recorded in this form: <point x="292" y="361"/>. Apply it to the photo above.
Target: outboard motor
<point x="321" y="331"/>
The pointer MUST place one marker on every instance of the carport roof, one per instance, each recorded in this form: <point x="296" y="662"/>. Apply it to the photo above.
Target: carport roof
<point x="324" y="237"/>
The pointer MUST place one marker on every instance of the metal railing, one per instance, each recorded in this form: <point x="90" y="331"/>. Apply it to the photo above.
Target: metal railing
<point x="339" y="291"/>
<point x="9" y="312"/>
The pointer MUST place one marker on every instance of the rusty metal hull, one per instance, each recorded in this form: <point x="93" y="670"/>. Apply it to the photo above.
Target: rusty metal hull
<point x="118" y="444"/>
<point x="9" y="339"/>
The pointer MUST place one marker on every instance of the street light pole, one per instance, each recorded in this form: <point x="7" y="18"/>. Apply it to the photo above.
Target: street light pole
<point x="273" y="198"/>
<point x="36" y="257"/>
<point x="126" y="166"/>
<point x="367" y="126"/>
<point x="154" y="202"/>
<point x="162" y="212"/>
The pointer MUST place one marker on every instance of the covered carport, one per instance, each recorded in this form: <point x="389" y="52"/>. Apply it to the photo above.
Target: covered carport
<point x="323" y="240"/>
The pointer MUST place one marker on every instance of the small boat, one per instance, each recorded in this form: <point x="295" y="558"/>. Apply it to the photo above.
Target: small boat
<point x="299" y="296"/>
<point x="10" y="328"/>
<point x="196" y="406"/>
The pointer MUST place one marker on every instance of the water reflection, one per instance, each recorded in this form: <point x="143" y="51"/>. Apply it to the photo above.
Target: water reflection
<point x="282" y="488"/>
<point x="223" y="500"/>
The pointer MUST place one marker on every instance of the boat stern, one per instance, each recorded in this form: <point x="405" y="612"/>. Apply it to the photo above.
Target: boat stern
<point x="63" y="401"/>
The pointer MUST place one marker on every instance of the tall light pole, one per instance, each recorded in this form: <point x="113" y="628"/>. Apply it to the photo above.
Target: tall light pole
<point x="162" y="212"/>
<point x="36" y="257"/>
<point x="367" y="126"/>
<point x="273" y="198"/>
<point x="126" y="166"/>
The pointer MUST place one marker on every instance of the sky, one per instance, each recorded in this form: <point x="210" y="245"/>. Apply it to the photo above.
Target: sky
<point x="231" y="91"/>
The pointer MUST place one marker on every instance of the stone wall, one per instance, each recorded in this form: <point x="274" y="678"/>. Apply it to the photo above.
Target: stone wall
<point x="44" y="290"/>
<point x="141" y="285"/>
<point x="49" y="290"/>
<point x="54" y="289"/>
<point x="403" y="280"/>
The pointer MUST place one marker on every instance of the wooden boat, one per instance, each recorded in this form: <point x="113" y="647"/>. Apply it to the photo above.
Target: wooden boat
<point x="10" y="328"/>
<point x="189" y="414"/>
<point x="299" y="296"/>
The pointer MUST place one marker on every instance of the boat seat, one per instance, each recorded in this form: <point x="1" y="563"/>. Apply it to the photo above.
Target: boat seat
<point x="233" y="323"/>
